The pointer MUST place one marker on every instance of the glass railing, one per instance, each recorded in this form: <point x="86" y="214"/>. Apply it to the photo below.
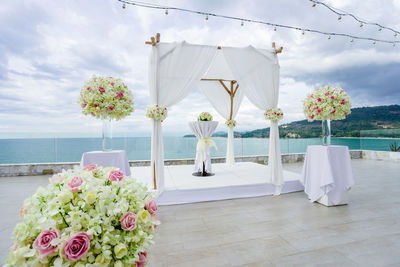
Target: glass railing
<point x="380" y="140"/>
<point x="70" y="148"/>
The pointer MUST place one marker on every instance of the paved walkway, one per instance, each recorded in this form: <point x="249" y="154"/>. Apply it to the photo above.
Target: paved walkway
<point x="286" y="230"/>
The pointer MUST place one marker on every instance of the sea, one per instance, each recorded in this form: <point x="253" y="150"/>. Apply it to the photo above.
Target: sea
<point x="46" y="150"/>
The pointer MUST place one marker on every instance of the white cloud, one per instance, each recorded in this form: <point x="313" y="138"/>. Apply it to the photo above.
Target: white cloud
<point x="65" y="42"/>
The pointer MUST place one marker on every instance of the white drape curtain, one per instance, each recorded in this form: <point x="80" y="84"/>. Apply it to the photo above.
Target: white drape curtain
<point x="257" y="72"/>
<point x="221" y="102"/>
<point x="175" y="68"/>
<point x="220" y="99"/>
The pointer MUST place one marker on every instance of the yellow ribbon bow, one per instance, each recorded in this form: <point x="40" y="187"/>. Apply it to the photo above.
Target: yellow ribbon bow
<point x="201" y="146"/>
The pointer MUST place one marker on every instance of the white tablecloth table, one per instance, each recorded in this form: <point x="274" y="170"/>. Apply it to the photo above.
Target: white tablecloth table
<point x="203" y="130"/>
<point x="327" y="173"/>
<point x="113" y="158"/>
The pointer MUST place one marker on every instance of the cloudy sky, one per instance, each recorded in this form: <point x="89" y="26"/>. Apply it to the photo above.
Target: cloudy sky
<point x="49" y="48"/>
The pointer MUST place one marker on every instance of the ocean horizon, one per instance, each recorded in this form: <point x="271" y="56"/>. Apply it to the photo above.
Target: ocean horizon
<point x="60" y="149"/>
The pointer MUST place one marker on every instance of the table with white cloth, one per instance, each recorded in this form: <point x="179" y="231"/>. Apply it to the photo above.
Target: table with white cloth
<point x="203" y="130"/>
<point x="327" y="174"/>
<point x="113" y="158"/>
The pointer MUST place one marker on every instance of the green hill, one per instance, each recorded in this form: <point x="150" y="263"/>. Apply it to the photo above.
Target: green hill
<point x="379" y="121"/>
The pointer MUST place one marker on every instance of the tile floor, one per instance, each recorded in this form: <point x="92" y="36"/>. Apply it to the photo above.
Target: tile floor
<point x="284" y="230"/>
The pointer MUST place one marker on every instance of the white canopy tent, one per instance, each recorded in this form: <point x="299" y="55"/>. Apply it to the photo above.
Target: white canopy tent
<point x="176" y="68"/>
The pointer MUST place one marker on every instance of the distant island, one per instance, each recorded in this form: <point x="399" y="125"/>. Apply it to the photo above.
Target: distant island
<point x="379" y="121"/>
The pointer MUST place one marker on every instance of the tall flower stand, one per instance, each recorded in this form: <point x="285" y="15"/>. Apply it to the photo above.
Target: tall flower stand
<point x="203" y="130"/>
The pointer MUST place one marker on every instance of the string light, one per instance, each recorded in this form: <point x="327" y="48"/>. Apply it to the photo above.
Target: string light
<point x="341" y="13"/>
<point x="329" y="34"/>
<point x="329" y="37"/>
<point x="123" y="6"/>
<point x="206" y="17"/>
<point x="361" y="25"/>
<point x="302" y="32"/>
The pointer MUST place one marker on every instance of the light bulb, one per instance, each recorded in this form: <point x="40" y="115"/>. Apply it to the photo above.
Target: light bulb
<point x="339" y="18"/>
<point x="242" y="23"/>
<point x="361" y="24"/>
<point x="380" y="29"/>
<point x="314" y="4"/>
<point x="123" y="6"/>
<point x="374" y="43"/>
<point x="274" y="29"/>
<point x="329" y="37"/>
<point x="302" y="32"/>
<point x="206" y="17"/>
<point x="395" y="34"/>
<point x="166" y="12"/>
<point x="352" y="40"/>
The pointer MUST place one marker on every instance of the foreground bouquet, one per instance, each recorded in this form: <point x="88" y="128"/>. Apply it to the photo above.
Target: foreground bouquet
<point x="205" y="116"/>
<point x="327" y="103"/>
<point x="156" y="112"/>
<point x="230" y="123"/>
<point x="273" y="114"/>
<point x="91" y="216"/>
<point x="106" y="98"/>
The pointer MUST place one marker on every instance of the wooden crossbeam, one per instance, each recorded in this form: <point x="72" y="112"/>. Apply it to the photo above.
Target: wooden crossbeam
<point x="277" y="51"/>
<point x="154" y="40"/>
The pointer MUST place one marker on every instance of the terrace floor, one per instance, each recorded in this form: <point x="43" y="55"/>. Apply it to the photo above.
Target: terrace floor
<point x="285" y="230"/>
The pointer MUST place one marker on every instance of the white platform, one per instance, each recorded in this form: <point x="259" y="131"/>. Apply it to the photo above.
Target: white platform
<point x="244" y="179"/>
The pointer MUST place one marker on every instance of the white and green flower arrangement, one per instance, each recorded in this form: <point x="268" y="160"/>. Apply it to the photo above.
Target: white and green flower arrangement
<point x="88" y="217"/>
<point x="273" y="114"/>
<point x="156" y="112"/>
<point x="230" y="123"/>
<point x="106" y="98"/>
<point x="205" y="116"/>
<point x="327" y="103"/>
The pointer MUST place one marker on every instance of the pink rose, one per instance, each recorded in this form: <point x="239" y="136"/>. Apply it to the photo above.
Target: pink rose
<point x="75" y="183"/>
<point x="128" y="221"/>
<point x="154" y="218"/>
<point x="83" y="105"/>
<point x="90" y="167"/>
<point x="311" y="117"/>
<point x="120" y="94"/>
<point x="319" y="110"/>
<point x="327" y="93"/>
<point x="112" y="83"/>
<point x="333" y="111"/>
<point x="93" y="114"/>
<point x="343" y="102"/>
<point x="110" y="108"/>
<point x="43" y="242"/>
<point x="142" y="259"/>
<point x="101" y="89"/>
<point x="151" y="206"/>
<point x="55" y="179"/>
<point x="89" y="88"/>
<point x="116" y="176"/>
<point x="22" y="211"/>
<point x="341" y="90"/>
<point x="95" y="105"/>
<point x="333" y="97"/>
<point x="77" y="246"/>
<point x="319" y="99"/>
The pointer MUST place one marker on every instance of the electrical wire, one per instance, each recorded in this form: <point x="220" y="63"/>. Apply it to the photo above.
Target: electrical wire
<point x="242" y="20"/>
<point x="361" y="21"/>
